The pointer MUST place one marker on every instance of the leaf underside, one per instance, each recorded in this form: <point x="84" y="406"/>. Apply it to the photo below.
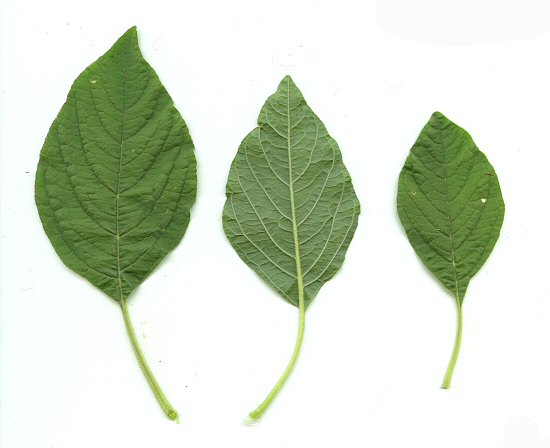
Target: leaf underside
<point x="290" y="154"/>
<point x="450" y="204"/>
<point x="117" y="173"/>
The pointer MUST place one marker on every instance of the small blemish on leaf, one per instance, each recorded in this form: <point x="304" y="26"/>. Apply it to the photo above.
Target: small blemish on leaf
<point x="484" y="200"/>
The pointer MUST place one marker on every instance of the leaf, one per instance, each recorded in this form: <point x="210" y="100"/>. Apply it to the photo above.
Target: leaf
<point x="450" y="204"/>
<point x="291" y="209"/>
<point x="117" y="178"/>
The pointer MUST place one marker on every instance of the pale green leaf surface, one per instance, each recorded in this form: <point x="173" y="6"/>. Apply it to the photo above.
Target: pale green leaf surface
<point x="117" y="173"/>
<point x="289" y="172"/>
<point x="450" y="204"/>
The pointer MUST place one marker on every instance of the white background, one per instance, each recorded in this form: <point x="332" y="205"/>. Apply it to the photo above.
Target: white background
<point x="378" y="335"/>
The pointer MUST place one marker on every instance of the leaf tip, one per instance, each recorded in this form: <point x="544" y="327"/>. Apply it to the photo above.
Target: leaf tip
<point x="438" y="116"/>
<point x="287" y="80"/>
<point x="130" y="33"/>
<point x="439" y="120"/>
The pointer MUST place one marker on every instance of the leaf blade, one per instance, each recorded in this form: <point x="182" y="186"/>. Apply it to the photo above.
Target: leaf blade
<point x="117" y="174"/>
<point x="286" y="175"/>
<point x="450" y="204"/>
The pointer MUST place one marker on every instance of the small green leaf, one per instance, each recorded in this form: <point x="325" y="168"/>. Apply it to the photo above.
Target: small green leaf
<point x="450" y="204"/>
<point x="291" y="209"/>
<point x="117" y="178"/>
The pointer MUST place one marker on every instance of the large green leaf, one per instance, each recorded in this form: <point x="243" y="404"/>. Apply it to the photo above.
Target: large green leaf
<point x="450" y="204"/>
<point x="291" y="209"/>
<point x="117" y="174"/>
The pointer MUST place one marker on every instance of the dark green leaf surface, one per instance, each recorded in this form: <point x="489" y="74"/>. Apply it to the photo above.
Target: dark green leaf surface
<point x="291" y="209"/>
<point x="451" y="207"/>
<point x="288" y="174"/>
<point x="450" y="204"/>
<point x="117" y="173"/>
<point x="117" y="178"/>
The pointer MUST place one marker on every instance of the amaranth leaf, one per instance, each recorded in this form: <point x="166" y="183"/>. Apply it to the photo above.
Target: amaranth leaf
<point x="117" y="178"/>
<point x="450" y="204"/>
<point x="291" y="209"/>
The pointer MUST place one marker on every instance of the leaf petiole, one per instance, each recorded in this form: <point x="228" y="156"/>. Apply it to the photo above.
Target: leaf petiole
<point x="257" y="413"/>
<point x="456" y="349"/>
<point x="170" y="412"/>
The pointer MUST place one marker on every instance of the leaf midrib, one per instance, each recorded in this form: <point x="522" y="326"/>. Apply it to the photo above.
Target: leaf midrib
<point x="292" y="206"/>
<point x="117" y="229"/>
<point x="449" y="218"/>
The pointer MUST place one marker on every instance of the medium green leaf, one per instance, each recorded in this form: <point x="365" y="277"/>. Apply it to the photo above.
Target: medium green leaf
<point x="450" y="204"/>
<point x="117" y="178"/>
<point x="291" y="209"/>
